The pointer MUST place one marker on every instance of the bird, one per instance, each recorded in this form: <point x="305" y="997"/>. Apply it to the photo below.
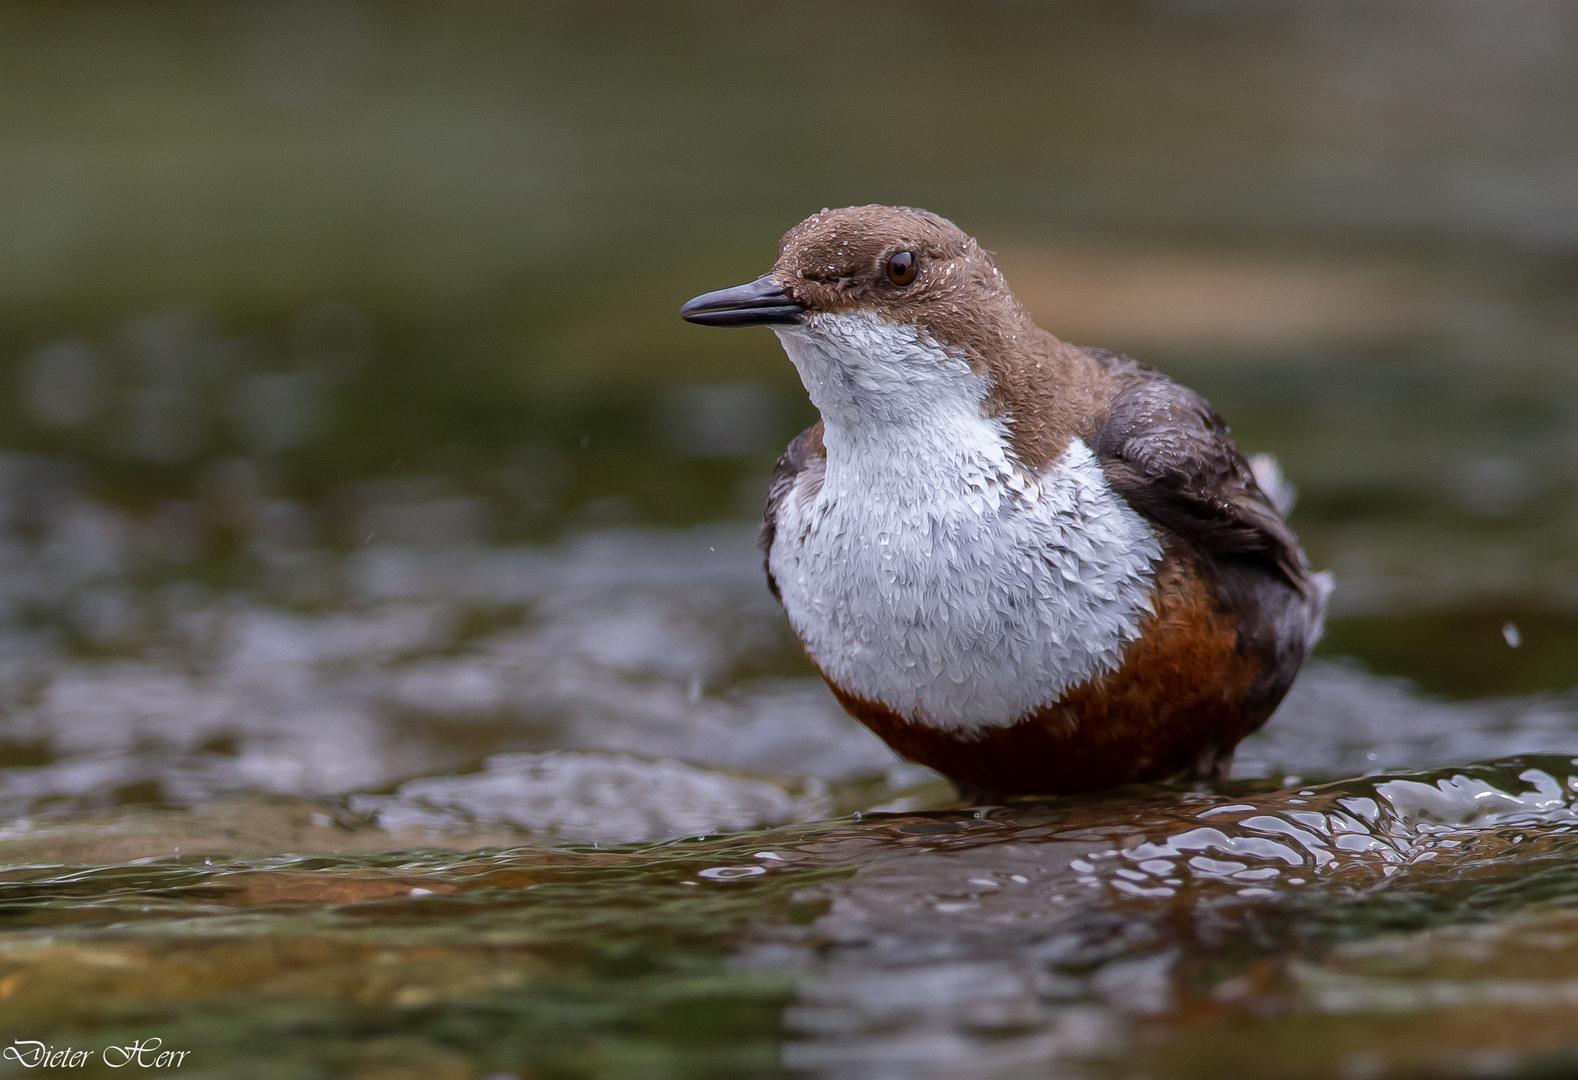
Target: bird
<point x="1036" y="568"/>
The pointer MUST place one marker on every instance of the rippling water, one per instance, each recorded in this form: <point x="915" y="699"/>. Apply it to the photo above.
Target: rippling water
<point x="1141" y="931"/>
<point x="388" y="683"/>
<point x="190" y="817"/>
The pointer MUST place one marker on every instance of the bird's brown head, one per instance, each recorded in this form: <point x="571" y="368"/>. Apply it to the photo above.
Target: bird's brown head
<point x="902" y="265"/>
<point x="891" y="313"/>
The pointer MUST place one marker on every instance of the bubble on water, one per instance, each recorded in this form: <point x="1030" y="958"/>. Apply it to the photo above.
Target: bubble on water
<point x="731" y="873"/>
<point x="1228" y="809"/>
<point x="1262" y="874"/>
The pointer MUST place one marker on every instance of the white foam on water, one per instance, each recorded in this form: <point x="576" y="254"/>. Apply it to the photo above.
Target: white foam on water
<point x="592" y="798"/>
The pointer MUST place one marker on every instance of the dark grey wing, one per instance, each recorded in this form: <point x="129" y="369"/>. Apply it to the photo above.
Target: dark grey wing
<point x="1172" y="458"/>
<point x="805" y="452"/>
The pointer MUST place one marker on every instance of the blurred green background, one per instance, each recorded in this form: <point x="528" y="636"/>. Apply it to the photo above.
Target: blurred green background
<point x="322" y="273"/>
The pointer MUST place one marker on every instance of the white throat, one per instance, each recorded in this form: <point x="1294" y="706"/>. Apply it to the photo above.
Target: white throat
<point x="929" y="572"/>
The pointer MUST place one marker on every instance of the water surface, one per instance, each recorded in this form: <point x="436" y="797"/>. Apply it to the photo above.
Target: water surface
<point x="388" y="684"/>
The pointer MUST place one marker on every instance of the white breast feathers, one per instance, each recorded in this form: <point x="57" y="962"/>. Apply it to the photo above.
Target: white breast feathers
<point x="927" y="572"/>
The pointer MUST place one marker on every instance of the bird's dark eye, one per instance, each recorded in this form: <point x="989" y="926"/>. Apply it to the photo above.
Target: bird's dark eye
<point x="901" y="268"/>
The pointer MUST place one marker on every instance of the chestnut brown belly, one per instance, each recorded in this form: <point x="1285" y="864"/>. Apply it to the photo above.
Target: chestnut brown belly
<point x="1180" y="702"/>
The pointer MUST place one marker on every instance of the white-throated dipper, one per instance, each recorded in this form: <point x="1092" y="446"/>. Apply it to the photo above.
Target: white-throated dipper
<point x="1034" y="567"/>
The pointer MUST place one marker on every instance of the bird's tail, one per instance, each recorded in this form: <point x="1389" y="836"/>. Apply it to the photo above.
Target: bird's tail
<point x="1283" y="495"/>
<point x="1268" y="474"/>
<point x="1321" y="586"/>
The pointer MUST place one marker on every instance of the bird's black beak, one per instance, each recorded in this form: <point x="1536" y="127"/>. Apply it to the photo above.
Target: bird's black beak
<point x="760" y="303"/>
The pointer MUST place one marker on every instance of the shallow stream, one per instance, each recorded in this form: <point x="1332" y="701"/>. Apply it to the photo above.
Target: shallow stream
<point x="388" y="683"/>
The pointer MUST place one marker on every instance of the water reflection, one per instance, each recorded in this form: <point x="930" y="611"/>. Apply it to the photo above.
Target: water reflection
<point x="1094" y="935"/>
<point x="1001" y="945"/>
